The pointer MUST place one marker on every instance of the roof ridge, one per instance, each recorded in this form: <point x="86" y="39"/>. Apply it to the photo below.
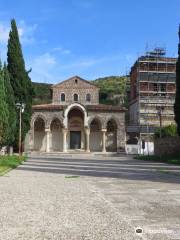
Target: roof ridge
<point x="71" y="78"/>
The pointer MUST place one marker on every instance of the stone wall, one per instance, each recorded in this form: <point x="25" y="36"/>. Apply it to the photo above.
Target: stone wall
<point x="168" y="145"/>
<point x="75" y="86"/>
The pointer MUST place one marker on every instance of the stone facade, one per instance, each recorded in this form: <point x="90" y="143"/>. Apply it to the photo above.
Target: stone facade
<point x="77" y="125"/>
<point x="75" y="85"/>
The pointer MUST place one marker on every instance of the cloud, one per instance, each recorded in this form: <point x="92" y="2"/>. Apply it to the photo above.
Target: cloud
<point x="61" y="50"/>
<point x="4" y="33"/>
<point x="42" y="67"/>
<point x="90" y="61"/>
<point x="49" y="68"/>
<point x="26" y="32"/>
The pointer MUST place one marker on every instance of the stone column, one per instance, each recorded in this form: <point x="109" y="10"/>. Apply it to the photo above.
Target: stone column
<point x="87" y="133"/>
<point x="64" y="130"/>
<point x="31" y="140"/>
<point x="48" y="132"/>
<point x="104" y="140"/>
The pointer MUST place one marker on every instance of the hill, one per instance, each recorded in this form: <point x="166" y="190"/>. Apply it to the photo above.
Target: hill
<point x="42" y="93"/>
<point x="112" y="90"/>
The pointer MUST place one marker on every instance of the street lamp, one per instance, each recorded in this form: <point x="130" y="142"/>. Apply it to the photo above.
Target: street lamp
<point x="160" y="109"/>
<point x="21" y="107"/>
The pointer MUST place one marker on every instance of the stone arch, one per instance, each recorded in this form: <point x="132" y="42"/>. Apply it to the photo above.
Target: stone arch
<point x="55" y="116"/>
<point x="76" y="130"/>
<point x="113" y="118"/>
<point x="74" y="106"/>
<point x="111" y="136"/>
<point x="97" y="118"/>
<point x="39" y="134"/>
<point x="35" y="116"/>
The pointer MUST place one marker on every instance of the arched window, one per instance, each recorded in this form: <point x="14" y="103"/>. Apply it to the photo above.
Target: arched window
<point x="75" y="97"/>
<point x="63" y="97"/>
<point x="88" y="97"/>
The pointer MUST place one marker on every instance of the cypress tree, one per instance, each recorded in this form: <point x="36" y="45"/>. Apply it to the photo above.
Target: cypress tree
<point x="4" y="113"/>
<point x="177" y="98"/>
<point x="11" y="131"/>
<point x="20" y="81"/>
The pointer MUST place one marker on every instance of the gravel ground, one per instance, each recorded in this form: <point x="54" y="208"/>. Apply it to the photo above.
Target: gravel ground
<point x="40" y="200"/>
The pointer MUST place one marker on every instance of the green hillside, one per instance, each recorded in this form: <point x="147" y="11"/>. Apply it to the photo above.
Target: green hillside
<point x="42" y="93"/>
<point x="112" y="90"/>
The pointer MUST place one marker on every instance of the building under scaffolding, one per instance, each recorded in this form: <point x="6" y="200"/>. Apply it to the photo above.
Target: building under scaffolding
<point x="152" y="93"/>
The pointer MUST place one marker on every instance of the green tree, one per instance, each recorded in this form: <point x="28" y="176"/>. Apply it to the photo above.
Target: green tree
<point x="177" y="99"/>
<point x="11" y="131"/>
<point x="4" y="113"/>
<point x="20" y="81"/>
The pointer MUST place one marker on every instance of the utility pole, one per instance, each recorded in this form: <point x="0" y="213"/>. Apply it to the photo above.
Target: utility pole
<point x="21" y="107"/>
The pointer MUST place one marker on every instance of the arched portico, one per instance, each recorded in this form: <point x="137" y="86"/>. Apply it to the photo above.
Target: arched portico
<point x="74" y="129"/>
<point x="76" y="134"/>
<point x="75" y="106"/>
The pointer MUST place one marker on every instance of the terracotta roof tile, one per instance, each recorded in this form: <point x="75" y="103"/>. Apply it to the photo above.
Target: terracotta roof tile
<point x="99" y="107"/>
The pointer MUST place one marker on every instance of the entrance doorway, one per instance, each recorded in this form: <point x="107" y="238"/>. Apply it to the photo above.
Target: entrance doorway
<point x="75" y="139"/>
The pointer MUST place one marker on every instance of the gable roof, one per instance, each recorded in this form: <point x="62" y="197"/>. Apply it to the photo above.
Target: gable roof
<point x="73" y="78"/>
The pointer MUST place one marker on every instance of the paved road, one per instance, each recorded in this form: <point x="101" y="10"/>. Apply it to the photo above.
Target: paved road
<point x="51" y="197"/>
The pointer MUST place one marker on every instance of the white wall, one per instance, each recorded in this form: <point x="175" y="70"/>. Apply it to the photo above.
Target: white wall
<point x="149" y="148"/>
<point x="137" y="148"/>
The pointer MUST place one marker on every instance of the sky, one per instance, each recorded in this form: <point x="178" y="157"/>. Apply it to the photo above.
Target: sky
<point x="88" y="38"/>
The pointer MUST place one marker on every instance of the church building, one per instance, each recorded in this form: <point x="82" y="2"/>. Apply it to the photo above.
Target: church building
<point x="76" y="122"/>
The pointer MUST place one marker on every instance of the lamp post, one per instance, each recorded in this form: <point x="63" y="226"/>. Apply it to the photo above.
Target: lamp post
<point x="21" y="107"/>
<point x="160" y="109"/>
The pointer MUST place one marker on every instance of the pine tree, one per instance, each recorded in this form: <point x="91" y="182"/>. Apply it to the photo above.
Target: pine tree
<point x="4" y="113"/>
<point x="11" y="131"/>
<point x="20" y="81"/>
<point x="177" y="98"/>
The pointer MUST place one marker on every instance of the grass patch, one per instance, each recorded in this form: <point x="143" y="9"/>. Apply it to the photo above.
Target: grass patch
<point x="171" y="159"/>
<point x="10" y="162"/>
<point x="71" y="176"/>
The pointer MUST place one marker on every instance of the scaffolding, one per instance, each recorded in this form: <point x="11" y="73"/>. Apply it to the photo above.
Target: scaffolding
<point x="158" y="70"/>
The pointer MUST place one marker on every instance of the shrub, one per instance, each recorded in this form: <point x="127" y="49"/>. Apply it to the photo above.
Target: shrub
<point x="167" y="131"/>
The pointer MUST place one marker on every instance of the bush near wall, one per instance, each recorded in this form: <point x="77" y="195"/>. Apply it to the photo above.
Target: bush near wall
<point x="167" y="131"/>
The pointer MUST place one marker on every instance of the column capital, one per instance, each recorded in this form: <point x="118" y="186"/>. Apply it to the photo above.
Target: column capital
<point x="64" y="130"/>
<point x="87" y="130"/>
<point x="47" y="130"/>
<point x="103" y="130"/>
